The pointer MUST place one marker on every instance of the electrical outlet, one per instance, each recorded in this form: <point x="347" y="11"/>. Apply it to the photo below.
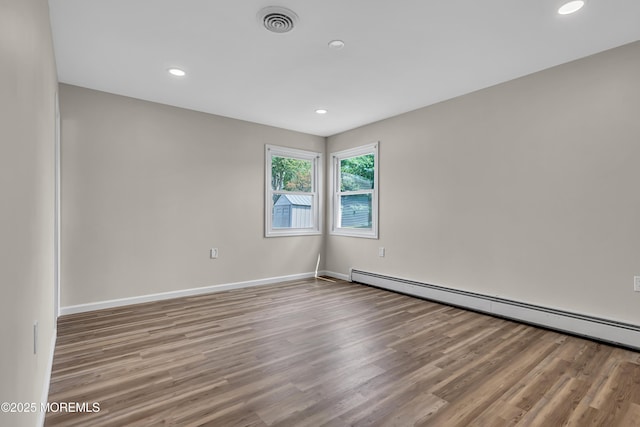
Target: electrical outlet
<point x="214" y="253"/>
<point x="636" y="283"/>
<point x="381" y="251"/>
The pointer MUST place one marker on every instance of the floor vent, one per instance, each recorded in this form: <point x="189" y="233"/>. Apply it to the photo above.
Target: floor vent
<point x="610" y="331"/>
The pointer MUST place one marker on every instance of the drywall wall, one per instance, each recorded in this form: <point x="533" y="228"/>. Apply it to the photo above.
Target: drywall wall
<point x="148" y="189"/>
<point x="28" y="84"/>
<point x="528" y="190"/>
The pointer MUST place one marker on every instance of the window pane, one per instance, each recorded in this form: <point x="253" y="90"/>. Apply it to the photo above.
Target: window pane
<point x="289" y="174"/>
<point x="292" y="211"/>
<point x="355" y="211"/>
<point x="356" y="173"/>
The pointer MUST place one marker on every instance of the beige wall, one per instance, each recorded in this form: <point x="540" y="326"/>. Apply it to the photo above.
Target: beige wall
<point x="28" y="84"/>
<point x="148" y="189"/>
<point x="528" y="190"/>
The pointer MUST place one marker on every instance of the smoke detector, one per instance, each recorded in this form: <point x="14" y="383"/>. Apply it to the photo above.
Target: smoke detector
<point x="278" y="19"/>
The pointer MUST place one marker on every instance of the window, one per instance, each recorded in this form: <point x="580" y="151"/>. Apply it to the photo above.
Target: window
<point x="293" y="188"/>
<point x="354" y="192"/>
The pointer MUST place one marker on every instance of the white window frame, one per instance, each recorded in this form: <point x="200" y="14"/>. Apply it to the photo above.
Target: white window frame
<point x="334" y="202"/>
<point x="316" y="191"/>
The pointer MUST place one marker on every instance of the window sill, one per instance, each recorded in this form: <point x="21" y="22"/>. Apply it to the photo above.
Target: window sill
<point x="290" y="233"/>
<point x="351" y="233"/>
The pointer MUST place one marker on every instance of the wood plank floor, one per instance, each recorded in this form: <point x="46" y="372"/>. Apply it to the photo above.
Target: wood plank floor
<point x="315" y="353"/>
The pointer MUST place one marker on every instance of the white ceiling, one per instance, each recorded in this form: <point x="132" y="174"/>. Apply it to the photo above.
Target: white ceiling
<point x="399" y="55"/>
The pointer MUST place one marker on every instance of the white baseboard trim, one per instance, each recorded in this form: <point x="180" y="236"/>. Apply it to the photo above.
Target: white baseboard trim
<point x="44" y="397"/>
<point x="81" y="308"/>
<point x="610" y="331"/>
<point x="335" y="275"/>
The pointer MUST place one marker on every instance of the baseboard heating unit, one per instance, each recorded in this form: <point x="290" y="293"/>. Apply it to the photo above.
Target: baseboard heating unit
<point x="610" y="331"/>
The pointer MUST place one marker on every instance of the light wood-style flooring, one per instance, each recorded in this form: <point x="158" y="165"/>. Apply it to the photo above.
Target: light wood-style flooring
<point x="314" y="353"/>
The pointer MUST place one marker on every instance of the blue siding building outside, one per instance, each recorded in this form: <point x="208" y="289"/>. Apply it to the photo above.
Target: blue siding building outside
<point x="292" y="211"/>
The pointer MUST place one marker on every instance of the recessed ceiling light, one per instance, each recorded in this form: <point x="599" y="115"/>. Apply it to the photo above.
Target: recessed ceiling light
<point x="322" y="111"/>
<point x="571" y="7"/>
<point x="336" y="44"/>
<point x="177" y="72"/>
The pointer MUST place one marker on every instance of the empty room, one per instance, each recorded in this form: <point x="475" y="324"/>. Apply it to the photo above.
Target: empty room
<point x="336" y="213"/>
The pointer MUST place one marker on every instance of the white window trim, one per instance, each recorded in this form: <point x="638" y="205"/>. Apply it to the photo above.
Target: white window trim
<point x="334" y="200"/>
<point x="316" y="191"/>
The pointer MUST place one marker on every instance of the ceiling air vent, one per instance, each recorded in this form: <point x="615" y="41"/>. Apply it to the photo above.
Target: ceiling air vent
<point x="278" y="19"/>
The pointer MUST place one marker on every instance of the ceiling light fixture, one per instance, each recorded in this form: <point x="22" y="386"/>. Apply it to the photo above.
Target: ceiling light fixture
<point x="177" y="72"/>
<point x="322" y="111"/>
<point x="336" y="44"/>
<point x="571" y="7"/>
